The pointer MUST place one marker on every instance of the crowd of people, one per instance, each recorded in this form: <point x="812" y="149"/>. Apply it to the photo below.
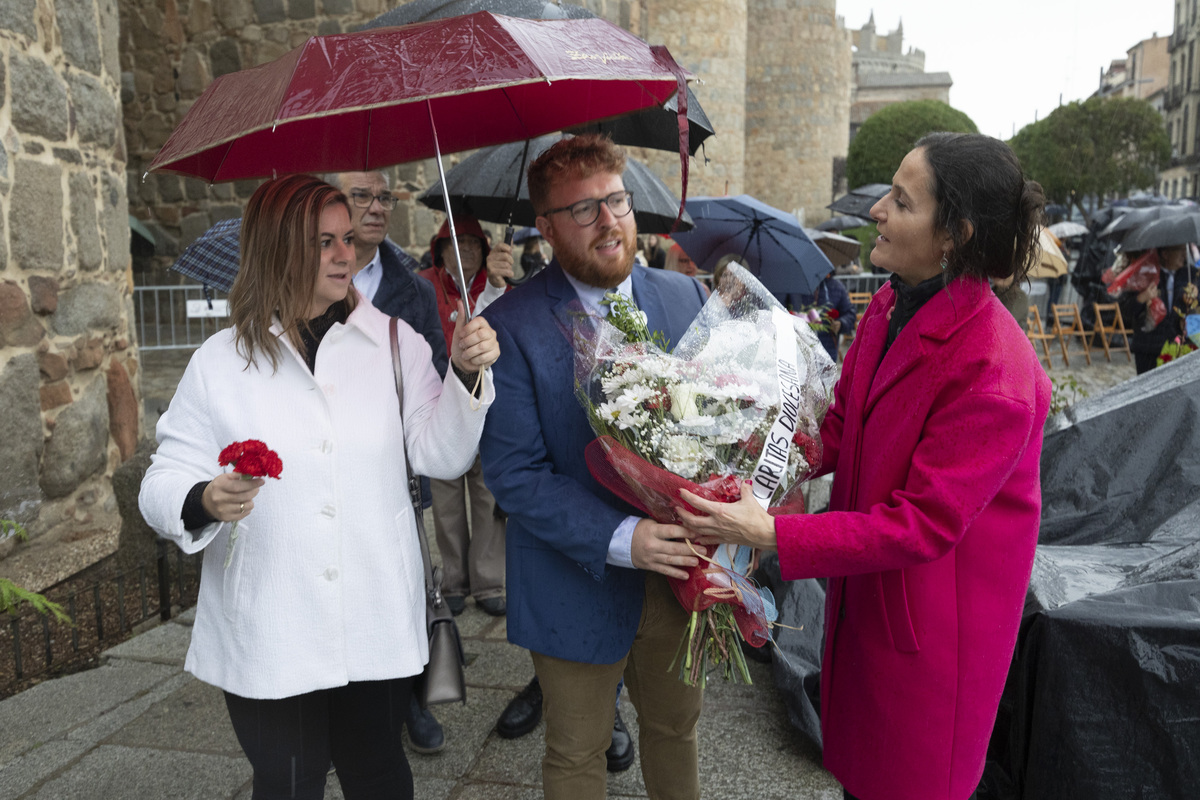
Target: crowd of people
<point x="311" y="608"/>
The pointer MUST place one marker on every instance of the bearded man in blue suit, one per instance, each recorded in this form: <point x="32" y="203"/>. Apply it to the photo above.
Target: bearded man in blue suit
<point x="587" y="588"/>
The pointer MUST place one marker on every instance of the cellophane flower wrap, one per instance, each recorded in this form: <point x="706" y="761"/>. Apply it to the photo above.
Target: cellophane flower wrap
<point x="741" y="397"/>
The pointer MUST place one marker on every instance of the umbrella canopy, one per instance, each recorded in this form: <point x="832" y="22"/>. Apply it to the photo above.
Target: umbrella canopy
<point x="526" y="233"/>
<point x="484" y="185"/>
<point x="361" y="101"/>
<point x="212" y="258"/>
<point x="1068" y="229"/>
<point x="778" y="251"/>
<point x="840" y="250"/>
<point x="656" y="128"/>
<point x="1134" y="218"/>
<point x="859" y="201"/>
<point x="1165" y="232"/>
<point x="842" y="222"/>
<point x="1051" y="263"/>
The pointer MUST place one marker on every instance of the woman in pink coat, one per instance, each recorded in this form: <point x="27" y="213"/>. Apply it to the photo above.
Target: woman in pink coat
<point x="934" y="439"/>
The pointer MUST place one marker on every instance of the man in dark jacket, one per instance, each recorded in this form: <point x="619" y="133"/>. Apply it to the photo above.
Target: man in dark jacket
<point x="385" y="275"/>
<point x="837" y="312"/>
<point x="1179" y="290"/>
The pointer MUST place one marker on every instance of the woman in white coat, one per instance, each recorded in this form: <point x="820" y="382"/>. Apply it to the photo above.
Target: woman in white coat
<point x="315" y="628"/>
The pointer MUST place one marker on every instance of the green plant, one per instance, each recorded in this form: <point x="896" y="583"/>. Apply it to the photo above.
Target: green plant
<point x="1065" y="392"/>
<point x="12" y="595"/>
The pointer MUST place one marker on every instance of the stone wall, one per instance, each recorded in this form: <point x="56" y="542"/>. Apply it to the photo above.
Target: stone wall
<point x="798" y="79"/>
<point x="68" y="368"/>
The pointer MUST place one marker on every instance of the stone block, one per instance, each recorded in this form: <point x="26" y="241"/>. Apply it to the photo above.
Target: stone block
<point x="36" y="215"/>
<point x="89" y="252"/>
<point x="87" y="307"/>
<point x="67" y="155"/>
<point x="18" y="16"/>
<point x="338" y="8"/>
<point x="53" y="366"/>
<point x="21" y="438"/>
<point x="55" y="394"/>
<point x="80" y="37"/>
<point x="191" y="226"/>
<point x="200" y="17"/>
<point x="302" y="9"/>
<point x="225" y="57"/>
<point x="39" y="98"/>
<point x="328" y="27"/>
<point x="268" y="11"/>
<point x="193" y="74"/>
<point x="78" y="448"/>
<point x="18" y="326"/>
<point x="232" y="14"/>
<point x="172" y="26"/>
<point x="169" y="188"/>
<point x="88" y="354"/>
<point x="136" y="535"/>
<point x="225" y="211"/>
<point x="110" y="32"/>
<point x="114" y="217"/>
<point x="43" y="294"/>
<point x="122" y="410"/>
<point x="195" y="189"/>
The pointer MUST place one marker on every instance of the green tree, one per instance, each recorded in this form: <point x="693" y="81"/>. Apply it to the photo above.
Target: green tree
<point x="1097" y="147"/>
<point x="12" y="595"/>
<point x="888" y="134"/>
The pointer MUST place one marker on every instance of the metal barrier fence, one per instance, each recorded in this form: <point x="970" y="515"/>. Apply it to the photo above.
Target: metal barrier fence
<point x="178" y="317"/>
<point x="103" y="614"/>
<point x="866" y="282"/>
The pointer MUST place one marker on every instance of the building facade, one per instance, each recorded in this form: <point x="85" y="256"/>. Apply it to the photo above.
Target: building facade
<point x="1181" y="105"/>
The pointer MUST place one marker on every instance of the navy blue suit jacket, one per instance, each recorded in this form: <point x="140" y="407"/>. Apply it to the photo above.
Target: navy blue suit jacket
<point x="402" y="294"/>
<point x="564" y="600"/>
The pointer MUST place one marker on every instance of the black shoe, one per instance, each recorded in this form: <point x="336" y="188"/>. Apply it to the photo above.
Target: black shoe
<point x="456" y="604"/>
<point x="523" y="713"/>
<point x="496" y="606"/>
<point x="424" y="731"/>
<point x="620" y="752"/>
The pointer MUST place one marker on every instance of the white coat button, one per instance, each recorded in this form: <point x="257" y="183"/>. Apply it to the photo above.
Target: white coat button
<point x="326" y="446"/>
<point x="331" y="574"/>
<point x="328" y="511"/>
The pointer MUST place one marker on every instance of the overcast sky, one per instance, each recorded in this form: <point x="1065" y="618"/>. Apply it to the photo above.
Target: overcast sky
<point x="1011" y="59"/>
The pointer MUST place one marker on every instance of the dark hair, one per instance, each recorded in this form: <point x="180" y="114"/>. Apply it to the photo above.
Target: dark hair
<point x="572" y="159"/>
<point x="978" y="180"/>
<point x="280" y="258"/>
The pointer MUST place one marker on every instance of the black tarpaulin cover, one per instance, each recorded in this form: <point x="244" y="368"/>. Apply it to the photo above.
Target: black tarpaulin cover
<point x="1103" y="700"/>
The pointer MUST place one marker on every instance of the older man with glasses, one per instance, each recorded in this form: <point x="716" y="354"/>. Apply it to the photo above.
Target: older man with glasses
<point x="587" y="575"/>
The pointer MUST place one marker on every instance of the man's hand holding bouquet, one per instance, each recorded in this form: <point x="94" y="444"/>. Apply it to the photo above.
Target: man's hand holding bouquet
<point x="741" y="398"/>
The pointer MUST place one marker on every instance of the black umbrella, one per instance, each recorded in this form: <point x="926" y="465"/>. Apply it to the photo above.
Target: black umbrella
<point x="1137" y="217"/>
<point x="859" y="201"/>
<point x="1164" y="232"/>
<point x="842" y="222"/>
<point x="484" y="185"/>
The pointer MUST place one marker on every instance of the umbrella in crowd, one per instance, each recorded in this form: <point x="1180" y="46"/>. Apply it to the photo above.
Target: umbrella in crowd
<point x="1051" y="262"/>
<point x="771" y="242"/>
<point x="859" y="201"/>
<point x="1134" y="218"/>
<point x="843" y="222"/>
<point x="1068" y="229"/>
<point x="656" y="127"/>
<point x="212" y="258"/>
<point x="524" y="234"/>
<point x="840" y="250"/>
<point x="1164" y="232"/>
<point x="485" y="184"/>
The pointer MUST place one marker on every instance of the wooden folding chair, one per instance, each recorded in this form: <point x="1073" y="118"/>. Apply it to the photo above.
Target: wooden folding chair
<point x="1067" y="323"/>
<point x="1099" y="329"/>
<point x="1037" y="333"/>
<point x="860" y="300"/>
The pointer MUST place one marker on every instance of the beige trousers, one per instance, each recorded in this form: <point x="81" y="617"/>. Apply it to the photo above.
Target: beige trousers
<point x="472" y="556"/>
<point x="578" y="709"/>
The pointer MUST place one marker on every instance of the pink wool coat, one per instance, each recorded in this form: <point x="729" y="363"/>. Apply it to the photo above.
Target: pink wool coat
<point x="933" y="522"/>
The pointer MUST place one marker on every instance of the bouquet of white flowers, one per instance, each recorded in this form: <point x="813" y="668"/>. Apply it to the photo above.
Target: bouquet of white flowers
<point x="741" y="397"/>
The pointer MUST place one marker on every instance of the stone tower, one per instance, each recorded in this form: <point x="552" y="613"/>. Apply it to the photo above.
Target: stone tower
<point x="68" y="364"/>
<point x="798" y="79"/>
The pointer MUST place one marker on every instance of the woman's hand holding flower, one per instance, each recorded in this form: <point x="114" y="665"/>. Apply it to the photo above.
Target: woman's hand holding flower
<point x="744" y="522"/>
<point x="474" y="346"/>
<point x="230" y="497"/>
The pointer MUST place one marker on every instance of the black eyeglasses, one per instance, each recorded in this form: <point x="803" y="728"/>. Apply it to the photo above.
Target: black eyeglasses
<point x="585" y="212"/>
<point x="364" y="200"/>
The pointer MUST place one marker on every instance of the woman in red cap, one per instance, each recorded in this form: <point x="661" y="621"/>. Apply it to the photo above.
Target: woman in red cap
<point x="471" y="564"/>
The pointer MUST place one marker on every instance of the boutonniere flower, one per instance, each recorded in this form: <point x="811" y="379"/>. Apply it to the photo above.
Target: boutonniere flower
<point x="250" y="459"/>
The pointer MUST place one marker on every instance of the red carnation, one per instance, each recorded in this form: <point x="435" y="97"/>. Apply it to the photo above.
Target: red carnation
<point x="832" y="313"/>
<point x="251" y="458"/>
<point x="812" y="452"/>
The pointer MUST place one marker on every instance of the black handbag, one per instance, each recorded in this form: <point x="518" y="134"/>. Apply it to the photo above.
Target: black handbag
<point x="443" y="680"/>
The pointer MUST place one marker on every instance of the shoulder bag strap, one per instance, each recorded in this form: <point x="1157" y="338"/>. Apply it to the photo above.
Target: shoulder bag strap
<point x="433" y="588"/>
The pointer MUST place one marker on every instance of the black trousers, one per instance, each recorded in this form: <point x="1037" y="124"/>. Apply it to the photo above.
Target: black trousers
<point x="847" y="796"/>
<point x="292" y="742"/>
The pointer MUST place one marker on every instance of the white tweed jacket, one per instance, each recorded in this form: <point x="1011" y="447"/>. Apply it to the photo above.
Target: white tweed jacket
<point x="326" y="584"/>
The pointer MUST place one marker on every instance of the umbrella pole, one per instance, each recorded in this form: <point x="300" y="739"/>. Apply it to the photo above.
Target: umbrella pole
<point x="460" y="279"/>
<point x="508" y="230"/>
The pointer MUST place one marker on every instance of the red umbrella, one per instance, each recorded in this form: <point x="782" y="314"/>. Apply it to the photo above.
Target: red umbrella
<point x="361" y="101"/>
